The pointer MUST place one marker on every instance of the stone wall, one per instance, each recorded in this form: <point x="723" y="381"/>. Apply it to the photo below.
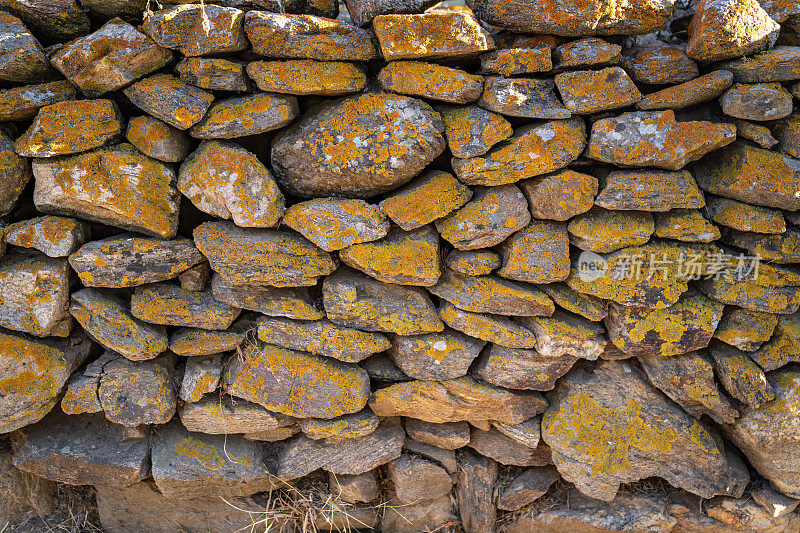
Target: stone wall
<point x="513" y="266"/>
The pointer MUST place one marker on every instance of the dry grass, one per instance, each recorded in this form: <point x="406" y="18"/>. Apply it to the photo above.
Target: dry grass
<point x="76" y="512"/>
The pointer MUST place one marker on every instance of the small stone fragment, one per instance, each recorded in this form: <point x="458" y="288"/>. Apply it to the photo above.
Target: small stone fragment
<point x="198" y="341"/>
<point x="706" y="87"/>
<point x="196" y="278"/>
<point x="744" y="329"/>
<point x="758" y="101"/>
<point x="22" y="59"/>
<point x="787" y="135"/>
<point x="471" y="130"/>
<point x="777" y="64"/>
<point x="527" y="487"/>
<point x="723" y="29"/>
<point x="741" y="376"/>
<point x="583" y="304"/>
<point x="521" y="369"/>
<point x="197" y="29"/>
<point x="23" y="103"/>
<point x="604" y="231"/>
<point x="429" y="80"/>
<point x="527" y="432"/>
<point x="759" y="134"/>
<point x="137" y="392"/>
<point x="213" y="73"/>
<point x="201" y="376"/>
<point x="169" y="99"/>
<point x="491" y="328"/>
<point x="291" y="302"/>
<point x="783" y="347"/>
<point x="514" y="61"/>
<point x="560" y="196"/>
<point x="445" y="355"/>
<point x="416" y="479"/>
<point x="223" y="415"/>
<point x="446" y="435"/>
<point x="744" y="217"/>
<point x="54" y="236"/>
<point x="586" y="52"/>
<point x="566" y="334"/>
<point x="475" y="486"/>
<point x="158" y="139"/>
<point x="775" y="502"/>
<point x="15" y="172"/>
<point x="538" y="253"/>
<point x="687" y="225"/>
<point x="472" y="263"/>
<point x="523" y="97"/>
<point x="171" y="305"/>
<point x="659" y="64"/>
<point x="354" y="488"/>
<point x="245" y="115"/>
<point x="593" y="91"/>
<point x="307" y="77"/>
<point x="363" y="11"/>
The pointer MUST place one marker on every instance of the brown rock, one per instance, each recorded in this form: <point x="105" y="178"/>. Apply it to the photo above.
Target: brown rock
<point x="777" y="64"/>
<point x="201" y="376"/>
<point x="429" y="80"/>
<point x="744" y="217"/>
<point x="472" y="263"/>
<point x="527" y="487"/>
<point x="564" y="333"/>
<point x="363" y="11"/>
<point x="223" y="415"/>
<point x="766" y="297"/>
<point x="22" y="59"/>
<point x="197" y="29"/>
<point x="471" y="130"/>
<point x="197" y="341"/>
<point x="171" y="305"/>
<point x="446" y="435"/>
<point x="445" y="355"/>
<point x="687" y="225"/>
<point x="416" y="480"/>
<point x="583" y="304"/>
<point x="521" y="369"/>
<point x="603" y="230"/>
<point x="788" y="135"/>
<point x="213" y="73"/>
<point x="726" y="30"/>
<point x="590" y="91"/>
<point x="158" y="139"/>
<point x="55" y="21"/>
<point x="169" y="99"/>
<point x="51" y="235"/>
<point x="757" y="101"/>
<point x="477" y="476"/>
<point x="538" y="253"/>
<point x="759" y="134"/>
<point x="560" y="196"/>
<point x="586" y="52"/>
<point x="783" y="347"/>
<point x="702" y="89"/>
<point x="354" y="488"/>
<point x="196" y="278"/>
<point x="23" y="103"/>
<point x="23" y="492"/>
<point x="528" y="432"/>
<point x="291" y="302"/>
<point x="240" y="116"/>
<point x="744" y="329"/>
<point x="659" y="63"/>
<point x="15" y="172"/>
<point x="513" y="61"/>
<point x="523" y="97"/>
<point x="491" y="328"/>
<point x="741" y="376"/>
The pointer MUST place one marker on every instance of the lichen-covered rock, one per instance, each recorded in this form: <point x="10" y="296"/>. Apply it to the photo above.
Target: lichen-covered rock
<point x="475" y="486"/>
<point x="53" y="22"/>
<point x="726" y="29"/>
<point x="23" y="103"/>
<point x="593" y="91"/>
<point x="112" y="57"/>
<point x="561" y="195"/>
<point x="472" y="263"/>
<point x="752" y="175"/>
<point x="22" y="59"/>
<point x="197" y="29"/>
<point x="428" y="198"/>
<point x="778" y="248"/>
<point x="349" y="426"/>
<point x="336" y="223"/>
<point x="787" y="135"/>
<point x="538" y="253"/>
<point x="227" y="181"/>
<point x="523" y="97"/>
<point x="51" y="235"/>
<point x="521" y="369"/>
<point x="777" y="64"/>
<point x="657" y="63"/>
<point x="296" y="383"/>
<point x="744" y="329"/>
<point x="765" y="297"/>
<point x="566" y="334"/>
<point x="491" y="328"/>
<point x="240" y="116"/>
<point x="291" y="302"/>
<point x="532" y="151"/>
<point x="416" y="479"/>
<point x="223" y="415"/>
<point x="702" y="89"/>
<point x="687" y="225"/>
<point x="594" y="17"/>
<point x="115" y="185"/>
<point x="446" y="435"/>
<point x="343" y="147"/>
<point x="583" y="304"/>
<point x="108" y="320"/>
<point x="655" y="139"/>
<point x="34" y="294"/>
<point x="757" y="101"/>
<point x="758" y="133"/>
<point x="514" y="61"/>
<point x="783" y="347"/>
<point x="307" y="77"/>
<point x="69" y="127"/>
<point x="429" y="80"/>
<point x="307" y="37"/>
<point x="169" y="99"/>
<point x="650" y="190"/>
<point x="471" y="130"/>
<point x="158" y="139"/>
<point x="353" y="299"/>
<point x="605" y="230"/>
<point x="491" y="215"/>
<point x="586" y="52"/>
<point x="436" y="34"/>
<point x="33" y="374"/>
<point x="445" y="355"/>
<point x="402" y="257"/>
<point x="15" y="172"/>
<point x="364" y="11"/>
<point x="261" y="256"/>
<point x="201" y="375"/>
<point x="684" y="326"/>
<point x="321" y="337"/>
<point x="171" y="305"/>
<point x="741" y="376"/>
<point x="456" y="400"/>
<point x="133" y="393"/>
<point x="213" y="73"/>
<point x="197" y="341"/>
<point x="744" y="217"/>
<point x="608" y="426"/>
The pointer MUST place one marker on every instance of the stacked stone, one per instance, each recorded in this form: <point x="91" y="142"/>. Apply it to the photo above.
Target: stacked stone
<point x="254" y="246"/>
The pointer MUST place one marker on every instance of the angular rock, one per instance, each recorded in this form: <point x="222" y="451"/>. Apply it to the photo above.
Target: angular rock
<point x="604" y="230"/>
<point x="527" y="487"/>
<point x="741" y="376"/>
<point x="538" y="253"/>
<point x="783" y="347"/>
<point x="752" y="295"/>
<point x="729" y="29"/>
<point x="221" y="415"/>
<point x="653" y="138"/>
<point x="33" y="374"/>
<point x="416" y="480"/>
<point x="108" y="320"/>
<point x="475" y="485"/>
<point x="197" y="30"/>
<point x="115" y="185"/>
<point x="687" y="225"/>
<point x="354" y="488"/>
<point x="527" y="432"/>
<point x="428" y="80"/>
<point x="133" y="393"/>
<point x="430" y="197"/>
<point x="490" y="328"/>
<point x="55" y="22"/>
<point x="658" y="63"/>
<point x="353" y="299"/>
<point x="608" y="426"/>
<point x="744" y="513"/>
<point x="445" y="355"/>
<point x="777" y="64"/>
<point x="307" y="77"/>
<point x="22" y="59"/>
<point x="491" y="215"/>
<point x="81" y="395"/>
<point x="523" y="97"/>
<point x="240" y="116"/>
<point x="471" y="130"/>
<point x="291" y="302"/>
<point x="349" y="426"/>
<point x="521" y="369"/>
<point x="472" y="263"/>
<point x="15" y="172"/>
<point x="744" y="329"/>
<point x="307" y="37"/>
<point x="649" y="190"/>
<point x="261" y="256"/>
<point x="532" y="151"/>
<point x="445" y="458"/>
<point x="23" y="103"/>
<point x="362" y="12"/>
<point x="169" y="99"/>
<point x="513" y="61"/>
<point x="560" y="196"/>
<point x="593" y="91"/>
<point x="195" y="278"/>
<point x="744" y="217"/>
<point x="696" y="91"/>
<point x="171" y="305"/>
<point x="69" y="127"/>
<point x="775" y="248"/>
<point x="197" y="341"/>
<point x="296" y="383"/>
<point x="776" y="503"/>
<point x="436" y="34"/>
<point x="336" y="223"/>
<point x="201" y="376"/>
<point x="759" y="134"/>
<point x="158" y="139"/>
<point x="586" y="52"/>
<point x="788" y="135"/>
<point x="51" y="235"/>
<point x="758" y="101"/>
<point x="564" y="333"/>
<point x="213" y="73"/>
<point x="583" y="304"/>
<point x="112" y="57"/>
<point x="445" y="435"/>
<point x="342" y="147"/>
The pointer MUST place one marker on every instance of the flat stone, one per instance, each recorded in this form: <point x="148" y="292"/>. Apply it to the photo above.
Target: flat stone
<point x="650" y="190"/>
<point x="527" y="487"/>
<point x="783" y="347"/>
<point x="523" y="97"/>
<point x="744" y="329"/>
<point x="491" y="215"/>
<point x="200" y="342"/>
<point x="197" y="465"/>
<point x="752" y="295"/>
<point x="787" y="136"/>
<point x="561" y="195"/>
<point x="702" y="89"/>
<point x="197" y="30"/>
<point x="774" y="248"/>
<point x="528" y="432"/>
<point x="585" y="305"/>
<point x="307" y="37"/>
<point x="757" y="101"/>
<point x="564" y="333"/>
<point x="51" y="235"/>
<point x="776" y="503"/>
<point x="741" y="376"/>
<point x="538" y="253"/>
<point x="336" y="223"/>
<point x="321" y="337"/>
<point x="593" y="91"/>
<point x="429" y="197"/>
<point x="34" y="294"/>
<point x="445" y="435"/>
<point x="490" y="294"/>
<point x="261" y="256"/>
<point x="33" y="374"/>
<point x="332" y="150"/>
<point x="308" y="77"/>
<point x="202" y="375"/>
<point x="726" y="30"/>
<point x="22" y="59"/>
<point x="98" y="186"/>
<point x="302" y="455"/>
<point x="444" y="458"/>
<point x="471" y="130"/>
<point x="606" y="230"/>
<point x="171" y="305"/>
<point x="158" y="139"/>
<point x="436" y="34"/>
<point x="23" y="103"/>
<point x="687" y="225"/>
<point x="608" y="426"/>
<point x="69" y="127"/>
<point x="659" y="63"/>
<point x="54" y="22"/>
<point x="349" y="426"/>
<point x="110" y="58"/>
<point x="475" y="486"/>
<point x="429" y="80"/>
<point x="586" y="52"/>
<point x="473" y="262"/>
<point x="532" y="151"/>
<point x="169" y="99"/>
<point x="221" y="415"/>
<point x="445" y="355"/>
<point x="364" y="11"/>
<point x="491" y="328"/>
<point x="15" y="172"/>
<point x="108" y="320"/>
<point x="455" y="401"/>
<point x="416" y="479"/>
<point x="296" y="383"/>
<point x="654" y="139"/>
<point x="514" y="61"/>
<point x="290" y="302"/>
<point x="240" y="116"/>
<point x="685" y="326"/>
<point x="353" y="299"/>
<point x="777" y="64"/>
<point x="81" y="450"/>
<point x="521" y="369"/>
<point x="758" y="133"/>
<point x="81" y="395"/>
<point x="213" y="73"/>
<point x="752" y="175"/>
<point x="353" y="488"/>
<point x="744" y="217"/>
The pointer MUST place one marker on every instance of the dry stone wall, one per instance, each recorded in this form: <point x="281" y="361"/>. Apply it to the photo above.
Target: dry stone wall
<point x="390" y="265"/>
